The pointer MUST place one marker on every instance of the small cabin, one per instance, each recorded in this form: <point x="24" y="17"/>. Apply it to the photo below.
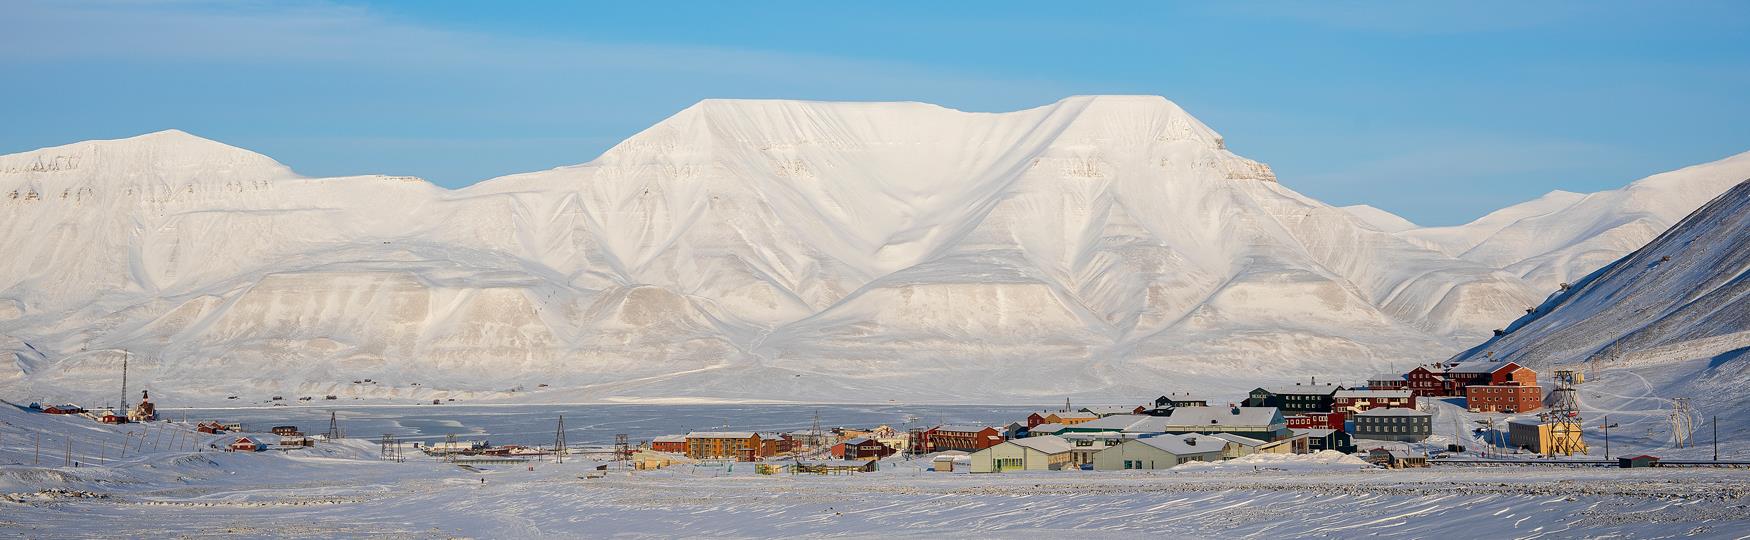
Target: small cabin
<point x="1637" y="462"/>
<point x="286" y="431"/>
<point x="247" y="444"/>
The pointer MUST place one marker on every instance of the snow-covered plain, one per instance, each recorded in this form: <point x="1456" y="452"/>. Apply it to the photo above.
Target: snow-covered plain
<point x="753" y="250"/>
<point x="341" y="489"/>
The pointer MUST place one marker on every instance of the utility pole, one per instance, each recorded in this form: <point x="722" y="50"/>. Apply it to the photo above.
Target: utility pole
<point x="39" y="450"/>
<point x="1716" y="425"/>
<point x="1607" y="438"/>
<point x="69" y="461"/>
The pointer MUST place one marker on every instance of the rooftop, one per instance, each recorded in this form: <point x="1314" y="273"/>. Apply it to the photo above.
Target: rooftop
<point x="1200" y="417"/>
<point x="1393" y="411"/>
<point x="721" y="435"/>
<point x="1186" y="444"/>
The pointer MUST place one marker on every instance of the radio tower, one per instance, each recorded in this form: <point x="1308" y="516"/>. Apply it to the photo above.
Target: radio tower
<point x="559" y="441"/>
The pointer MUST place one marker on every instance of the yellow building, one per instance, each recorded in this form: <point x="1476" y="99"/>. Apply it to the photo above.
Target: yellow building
<point x="1553" y="437"/>
<point x="647" y="460"/>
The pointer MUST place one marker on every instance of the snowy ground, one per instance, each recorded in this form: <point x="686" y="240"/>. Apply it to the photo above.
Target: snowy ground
<point x="341" y="489"/>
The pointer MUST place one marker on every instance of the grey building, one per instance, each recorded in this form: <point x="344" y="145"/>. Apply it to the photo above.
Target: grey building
<point x="1394" y="424"/>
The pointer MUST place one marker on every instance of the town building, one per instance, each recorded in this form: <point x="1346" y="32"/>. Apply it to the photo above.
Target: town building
<point x="1394" y="424"/>
<point x="1164" y="405"/>
<point x="674" y="444"/>
<point x="736" y="445"/>
<point x="1321" y="439"/>
<point x="1045" y="429"/>
<point x="649" y="460"/>
<point x="1505" y="398"/>
<point x="1396" y="459"/>
<point x="1546" y="436"/>
<point x="1030" y="454"/>
<point x="1295" y="398"/>
<point x="1387" y="381"/>
<point x="1354" y="401"/>
<point x="1060" y="417"/>
<point x="1427" y="381"/>
<point x="1311" y="420"/>
<point x="1262" y="423"/>
<point x="247" y="444"/>
<point x="1105" y="411"/>
<point x="861" y="448"/>
<point x="1162" y="452"/>
<point x="832" y="466"/>
<point x="1083" y="446"/>
<point x="1240" y="446"/>
<point x="967" y="438"/>
<point x="772" y="444"/>
<point x="285" y="431"/>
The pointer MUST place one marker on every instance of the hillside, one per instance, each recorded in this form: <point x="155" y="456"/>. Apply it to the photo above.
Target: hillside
<point x="743" y="250"/>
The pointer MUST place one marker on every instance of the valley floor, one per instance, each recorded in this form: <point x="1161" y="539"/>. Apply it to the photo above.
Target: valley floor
<point x="313" y="495"/>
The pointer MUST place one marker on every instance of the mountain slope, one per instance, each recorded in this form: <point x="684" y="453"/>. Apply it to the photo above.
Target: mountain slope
<point x="1684" y="295"/>
<point x="1563" y="236"/>
<point x="772" y="250"/>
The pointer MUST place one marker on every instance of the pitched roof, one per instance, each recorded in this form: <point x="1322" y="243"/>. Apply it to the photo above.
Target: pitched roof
<point x="1484" y="366"/>
<point x="720" y="435"/>
<point x="1387" y="377"/>
<point x="1116" y="422"/>
<point x="670" y="438"/>
<point x="1199" y="417"/>
<point x="1050" y="444"/>
<point x="1190" y="443"/>
<point x="1302" y="389"/>
<point x="1243" y="441"/>
<point x="1046" y="428"/>
<point x="1374" y="394"/>
<point x="1316" y="433"/>
<point x="964" y="428"/>
<point x="1150" y="424"/>
<point x="1110" y="409"/>
<point x="854" y="441"/>
<point x="1393" y="411"/>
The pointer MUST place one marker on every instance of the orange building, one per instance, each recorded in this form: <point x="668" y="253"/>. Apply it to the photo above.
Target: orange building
<point x="737" y="445"/>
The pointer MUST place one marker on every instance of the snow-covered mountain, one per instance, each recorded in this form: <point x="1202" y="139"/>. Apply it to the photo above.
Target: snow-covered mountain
<point x="1685" y="295"/>
<point x="767" y="250"/>
<point x="1562" y="236"/>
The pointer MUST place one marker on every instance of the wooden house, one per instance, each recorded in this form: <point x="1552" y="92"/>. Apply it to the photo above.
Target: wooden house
<point x="247" y="444"/>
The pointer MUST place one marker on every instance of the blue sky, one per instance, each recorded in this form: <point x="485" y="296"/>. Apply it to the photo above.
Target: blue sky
<point x="1438" y="113"/>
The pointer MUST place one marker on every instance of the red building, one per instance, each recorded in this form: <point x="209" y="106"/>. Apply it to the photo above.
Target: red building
<point x="1426" y="381"/>
<point x="1316" y="420"/>
<point x="1508" y="398"/>
<point x="1357" y="401"/>
<point x="676" y="444"/>
<point x="965" y="438"/>
<point x="1438" y="380"/>
<point x="247" y="444"/>
<point x="772" y="444"/>
<point x="1491" y="373"/>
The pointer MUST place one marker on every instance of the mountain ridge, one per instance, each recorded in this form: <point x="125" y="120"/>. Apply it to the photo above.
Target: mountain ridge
<point x="746" y="250"/>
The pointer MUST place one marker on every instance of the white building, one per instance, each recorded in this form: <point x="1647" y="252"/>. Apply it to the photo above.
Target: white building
<point x="1160" y="452"/>
<point x="1044" y="453"/>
